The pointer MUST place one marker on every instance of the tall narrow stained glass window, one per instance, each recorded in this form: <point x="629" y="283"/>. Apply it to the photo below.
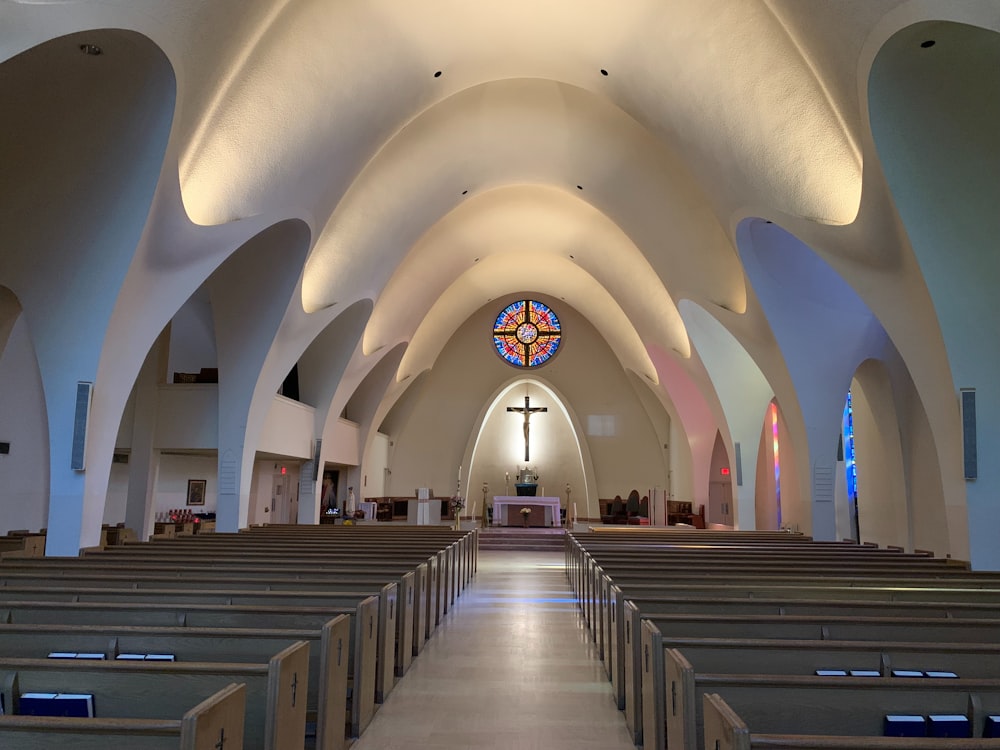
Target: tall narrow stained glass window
<point x="527" y="333"/>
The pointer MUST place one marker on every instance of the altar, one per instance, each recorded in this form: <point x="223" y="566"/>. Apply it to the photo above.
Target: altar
<point x="502" y="504"/>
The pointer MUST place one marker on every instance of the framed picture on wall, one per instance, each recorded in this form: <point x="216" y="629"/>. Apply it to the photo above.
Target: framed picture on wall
<point x="196" y="491"/>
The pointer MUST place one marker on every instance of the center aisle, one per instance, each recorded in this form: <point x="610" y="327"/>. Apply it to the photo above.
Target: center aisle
<point x="511" y="666"/>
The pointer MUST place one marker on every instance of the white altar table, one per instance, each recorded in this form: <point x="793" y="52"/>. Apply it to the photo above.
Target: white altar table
<point x="502" y="503"/>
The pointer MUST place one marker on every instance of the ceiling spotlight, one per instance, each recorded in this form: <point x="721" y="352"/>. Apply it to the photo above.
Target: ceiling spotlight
<point x="603" y="72"/>
<point x="437" y="74"/>
<point x="579" y="187"/>
<point x="91" y="49"/>
<point x="928" y="43"/>
<point x="465" y="192"/>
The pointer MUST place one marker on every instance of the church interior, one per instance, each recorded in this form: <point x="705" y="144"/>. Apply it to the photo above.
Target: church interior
<point x="255" y="245"/>
<point x="561" y="357"/>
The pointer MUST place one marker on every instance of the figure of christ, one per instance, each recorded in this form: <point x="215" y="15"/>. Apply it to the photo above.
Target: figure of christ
<point x="527" y="410"/>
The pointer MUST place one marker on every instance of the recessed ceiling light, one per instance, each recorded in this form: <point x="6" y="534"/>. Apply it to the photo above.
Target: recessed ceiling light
<point x="91" y="49"/>
<point x="603" y="72"/>
<point x="579" y="187"/>
<point x="572" y="257"/>
<point x="465" y="192"/>
<point x="928" y="43"/>
<point x="437" y="74"/>
<point x="476" y="260"/>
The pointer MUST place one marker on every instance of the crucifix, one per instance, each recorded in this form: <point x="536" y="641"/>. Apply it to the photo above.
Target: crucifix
<point x="527" y="410"/>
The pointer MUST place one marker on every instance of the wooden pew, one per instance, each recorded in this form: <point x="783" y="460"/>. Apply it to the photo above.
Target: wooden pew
<point x="363" y="618"/>
<point x="793" y="657"/>
<point x="725" y="730"/>
<point x="415" y="595"/>
<point x="328" y="655"/>
<point x="218" y="718"/>
<point x="275" y="691"/>
<point x="386" y="624"/>
<point x="806" y="704"/>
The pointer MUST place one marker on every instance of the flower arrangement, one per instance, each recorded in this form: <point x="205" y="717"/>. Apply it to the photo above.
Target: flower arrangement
<point x="457" y="503"/>
<point x="525" y="512"/>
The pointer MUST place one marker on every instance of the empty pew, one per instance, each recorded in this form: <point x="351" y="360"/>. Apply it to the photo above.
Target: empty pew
<point x="725" y="730"/>
<point x="328" y="655"/>
<point x="796" y="657"/>
<point x="806" y="704"/>
<point x="217" y="719"/>
<point x="275" y="691"/>
<point x="414" y="599"/>
<point x="386" y="624"/>
<point x="363" y="627"/>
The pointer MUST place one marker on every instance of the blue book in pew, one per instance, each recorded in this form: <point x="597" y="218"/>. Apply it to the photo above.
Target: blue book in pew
<point x="57" y="704"/>
<point x="940" y="673"/>
<point x="992" y="727"/>
<point x="907" y="673"/>
<point x="865" y="673"/>
<point x="948" y="725"/>
<point x="831" y="673"/>
<point x="904" y="725"/>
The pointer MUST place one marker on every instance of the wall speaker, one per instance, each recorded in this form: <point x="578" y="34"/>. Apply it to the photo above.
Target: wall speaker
<point x="739" y="466"/>
<point x="969" y="455"/>
<point x="317" y="449"/>
<point x="4" y="449"/>
<point x="84" y="391"/>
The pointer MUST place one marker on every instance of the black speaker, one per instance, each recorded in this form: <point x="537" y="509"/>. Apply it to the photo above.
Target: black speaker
<point x="84" y="391"/>
<point x="4" y="449"/>
<point x="739" y="466"/>
<point x="969" y="456"/>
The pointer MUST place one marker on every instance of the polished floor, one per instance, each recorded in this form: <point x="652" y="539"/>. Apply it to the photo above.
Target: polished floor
<point x="511" y="666"/>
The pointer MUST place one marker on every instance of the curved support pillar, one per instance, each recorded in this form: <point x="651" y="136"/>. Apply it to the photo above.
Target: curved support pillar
<point x="249" y="294"/>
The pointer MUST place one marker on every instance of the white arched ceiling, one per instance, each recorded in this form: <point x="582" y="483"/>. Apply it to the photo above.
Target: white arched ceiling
<point x="768" y="126"/>
<point x="558" y="277"/>
<point x="519" y="132"/>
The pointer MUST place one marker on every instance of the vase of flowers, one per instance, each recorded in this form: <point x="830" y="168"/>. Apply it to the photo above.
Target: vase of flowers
<point x="525" y="512"/>
<point x="456" y="505"/>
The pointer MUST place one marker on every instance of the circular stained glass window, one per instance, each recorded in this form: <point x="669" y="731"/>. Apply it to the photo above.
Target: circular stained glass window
<point x="527" y="333"/>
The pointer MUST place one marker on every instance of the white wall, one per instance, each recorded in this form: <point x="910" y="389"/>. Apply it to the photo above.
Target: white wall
<point x="288" y="429"/>
<point x="172" y="482"/>
<point x="188" y="417"/>
<point x="434" y="425"/>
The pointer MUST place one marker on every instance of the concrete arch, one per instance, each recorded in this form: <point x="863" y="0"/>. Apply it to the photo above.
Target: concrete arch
<point x="24" y="466"/>
<point x="947" y="203"/>
<point x="82" y="154"/>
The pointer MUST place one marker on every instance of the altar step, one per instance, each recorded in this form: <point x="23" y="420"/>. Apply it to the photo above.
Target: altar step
<point x="515" y="539"/>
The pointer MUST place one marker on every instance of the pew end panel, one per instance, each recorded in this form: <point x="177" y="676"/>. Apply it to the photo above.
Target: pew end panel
<point x="385" y="677"/>
<point x="681" y="721"/>
<point x="365" y="642"/>
<point x="724" y="730"/>
<point x="332" y="702"/>
<point x="287" y="690"/>
<point x="404" y="623"/>
<point x="654" y="705"/>
<point x="217" y="719"/>
<point x="631" y="656"/>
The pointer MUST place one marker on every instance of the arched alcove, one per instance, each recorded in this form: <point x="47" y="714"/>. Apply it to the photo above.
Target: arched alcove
<point x="556" y="454"/>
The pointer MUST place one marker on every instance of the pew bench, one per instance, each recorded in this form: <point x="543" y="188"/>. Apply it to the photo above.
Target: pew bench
<point x="363" y="630"/>
<point x="807" y="704"/>
<point x="387" y="597"/>
<point x="725" y="730"/>
<point x="275" y="717"/>
<point x="327" y="702"/>
<point x="220" y="717"/>
<point x="794" y="657"/>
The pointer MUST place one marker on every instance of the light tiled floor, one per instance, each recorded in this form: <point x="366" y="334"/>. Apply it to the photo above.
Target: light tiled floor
<point x="511" y="666"/>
